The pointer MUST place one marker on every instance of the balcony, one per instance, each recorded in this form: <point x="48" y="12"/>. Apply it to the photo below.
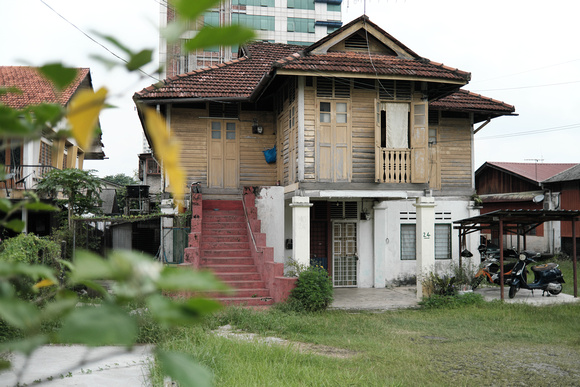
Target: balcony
<point x="23" y="177"/>
<point x="393" y="165"/>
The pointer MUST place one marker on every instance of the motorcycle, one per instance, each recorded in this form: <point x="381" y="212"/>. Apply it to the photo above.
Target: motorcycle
<point x="547" y="277"/>
<point x="489" y="270"/>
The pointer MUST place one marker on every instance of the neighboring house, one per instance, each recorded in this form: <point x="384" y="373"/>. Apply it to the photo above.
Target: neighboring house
<point x="150" y="175"/>
<point x="299" y="22"/>
<point x="518" y="186"/>
<point x="565" y="189"/>
<point x="369" y="136"/>
<point x="26" y="162"/>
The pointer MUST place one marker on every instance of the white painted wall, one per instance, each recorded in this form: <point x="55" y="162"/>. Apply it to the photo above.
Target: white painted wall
<point x="270" y="205"/>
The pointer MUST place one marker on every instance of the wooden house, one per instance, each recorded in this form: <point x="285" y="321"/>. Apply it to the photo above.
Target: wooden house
<point x="26" y="161"/>
<point x="518" y="186"/>
<point x="364" y="129"/>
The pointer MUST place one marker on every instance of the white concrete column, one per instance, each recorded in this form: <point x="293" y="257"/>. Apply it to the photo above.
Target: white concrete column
<point x="166" y="231"/>
<point x="425" y="240"/>
<point x="380" y="242"/>
<point x="301" y="229"/>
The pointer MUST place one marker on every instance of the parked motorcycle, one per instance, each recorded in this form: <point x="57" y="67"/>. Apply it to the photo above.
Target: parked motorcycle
<point x="547" y="277"/>
<point x="489" y="270"/>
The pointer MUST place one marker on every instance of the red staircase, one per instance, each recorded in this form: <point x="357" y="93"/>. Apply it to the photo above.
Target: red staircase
<point x="225" y="249"/>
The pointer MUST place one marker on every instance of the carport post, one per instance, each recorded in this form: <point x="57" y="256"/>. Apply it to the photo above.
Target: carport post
<point x="574" y="257"/>
<point x="501" y="273"/>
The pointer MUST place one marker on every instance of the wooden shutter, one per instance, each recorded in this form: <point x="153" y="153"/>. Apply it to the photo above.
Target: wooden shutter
<point x="419" y="138"/>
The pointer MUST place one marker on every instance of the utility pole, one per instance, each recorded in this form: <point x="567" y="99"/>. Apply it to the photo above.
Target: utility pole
<point x="536" y="160"/>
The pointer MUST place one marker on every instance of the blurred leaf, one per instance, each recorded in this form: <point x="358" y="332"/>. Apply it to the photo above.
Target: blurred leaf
<point x="83" y="115"/>
<point x="15" y="225"/>
<point x="18" y="313"/>
<point x="46" y="113"/>
<point x="9" y="269"/>
<point x="4" y="364"/>
<point x="5" y="205"/>
<point x="40" y="206"/>
<point x="140" y="59"/>
<point x="169" y="151"/>
<point x="171" y="312"/>
<point x="9" y="89"/>
<point x="114" y="41"/>
<point x="192" y="9"/>
<point x="89" y="266"/>
<point x="12" y="123"/>
<point x="174" y="278"/>
<point x="184" y="369"/>
<point x="59" y="75"/>
<point x="25" y="346"/>
<point x="59" y="308"/>
<point x="99" y="325"/>
<point x="231" y="35"/>
<point x="174" y="30"/>
<point x="43" y="284"/>
<point x="108" y="63"/>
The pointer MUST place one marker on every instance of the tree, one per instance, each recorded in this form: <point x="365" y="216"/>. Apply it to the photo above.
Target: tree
<point x="81" y="190"/>
<point x="121" y="179"/>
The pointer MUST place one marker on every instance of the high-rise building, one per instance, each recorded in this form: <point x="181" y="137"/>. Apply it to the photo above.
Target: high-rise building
<point x="279" y="21"/>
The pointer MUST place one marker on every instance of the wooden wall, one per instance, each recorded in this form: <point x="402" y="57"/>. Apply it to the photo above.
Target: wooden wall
<point x="454" y="143"/>
<point x="363" y="136"/>
<point x="570" y="200"/>
<point x="192" y="132"/>
<point x="493" y="181"/>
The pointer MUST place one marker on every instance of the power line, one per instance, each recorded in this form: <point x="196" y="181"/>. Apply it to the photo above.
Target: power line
<point x="530" y="87"/>
<point x="93" y="40"/>
<point x="527" y="71"/>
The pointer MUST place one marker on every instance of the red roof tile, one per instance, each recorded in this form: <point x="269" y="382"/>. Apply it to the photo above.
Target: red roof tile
<point x="34" y="87"/>
<point x="464" y="100"/>
<point x="533" y="171"/>
<point x="365" y="63"/>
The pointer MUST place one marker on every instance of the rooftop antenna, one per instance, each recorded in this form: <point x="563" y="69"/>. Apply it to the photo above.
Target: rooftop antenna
<point x="536" y="160"/>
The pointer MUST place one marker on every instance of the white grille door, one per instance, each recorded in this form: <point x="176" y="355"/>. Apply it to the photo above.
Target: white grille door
<point x="344" y="253"/>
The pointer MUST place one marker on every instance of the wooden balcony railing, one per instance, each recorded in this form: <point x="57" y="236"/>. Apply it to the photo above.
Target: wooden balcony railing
<point x="394" y="165"/>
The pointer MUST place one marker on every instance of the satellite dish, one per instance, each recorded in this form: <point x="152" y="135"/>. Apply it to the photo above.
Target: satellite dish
<point x="538" y="198"/>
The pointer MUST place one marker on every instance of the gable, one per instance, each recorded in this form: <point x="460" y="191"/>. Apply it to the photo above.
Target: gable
<point x="360" y="41"/>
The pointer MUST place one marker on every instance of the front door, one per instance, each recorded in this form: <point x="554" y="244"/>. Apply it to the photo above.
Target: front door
<point x="344" y="254"/>
<point x="223" y="155"/>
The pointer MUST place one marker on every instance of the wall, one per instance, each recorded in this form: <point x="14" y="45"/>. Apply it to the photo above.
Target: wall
<point x="270" y="205"/>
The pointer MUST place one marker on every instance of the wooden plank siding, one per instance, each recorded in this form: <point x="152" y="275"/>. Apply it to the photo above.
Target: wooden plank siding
<point x="363" y="136"/>
<point x="192" y="132"/>
<point x="454" y="142"/>
<point x="254" y="171"/>
<point x="310" y="111"/>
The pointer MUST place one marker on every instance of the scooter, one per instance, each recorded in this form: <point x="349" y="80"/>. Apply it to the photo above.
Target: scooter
<point x="547" y="277"/>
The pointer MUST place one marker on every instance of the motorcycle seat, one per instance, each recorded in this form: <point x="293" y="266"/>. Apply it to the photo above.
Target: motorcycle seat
<point x="545" y="267"/>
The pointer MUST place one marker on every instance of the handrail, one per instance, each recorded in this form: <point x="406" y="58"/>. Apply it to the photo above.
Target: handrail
<point x="250" y="226"/>
<point x="18" y="174"/>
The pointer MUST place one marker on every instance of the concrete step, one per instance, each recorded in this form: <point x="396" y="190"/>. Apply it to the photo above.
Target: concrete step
<point x="223" y="225"/>
<point x="230" y="238"/>
<point x="227" y="277"/>
<point x="226" y="253"/>
<point x="222" y="205"/>
<point x="225" y="245"/>
<point x="242" y="284"/>
<point x="222" y="217"/>
<point x="246" y="301"/>
<point x="217" y="261"/>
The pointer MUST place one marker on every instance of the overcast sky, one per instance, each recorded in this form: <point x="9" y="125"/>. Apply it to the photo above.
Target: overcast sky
<point x="522" y="52"/>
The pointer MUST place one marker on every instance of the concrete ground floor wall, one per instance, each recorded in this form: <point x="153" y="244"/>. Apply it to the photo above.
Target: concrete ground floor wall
<point x="378" y="224"/>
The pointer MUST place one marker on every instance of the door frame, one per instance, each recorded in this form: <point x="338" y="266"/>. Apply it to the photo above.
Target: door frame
<point x="357" y="260"/>
<point x="224" y="148"/>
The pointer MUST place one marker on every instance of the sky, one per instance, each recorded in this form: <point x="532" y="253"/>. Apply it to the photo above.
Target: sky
<point x="522" y="52"/>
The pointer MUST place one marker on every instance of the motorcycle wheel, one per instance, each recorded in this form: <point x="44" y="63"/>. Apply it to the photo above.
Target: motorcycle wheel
<point x="554" y="292"/>
<point x="513" y="291"/>
<point x="476" y="282"/>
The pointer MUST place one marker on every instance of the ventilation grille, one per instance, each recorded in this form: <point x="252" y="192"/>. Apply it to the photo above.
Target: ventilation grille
<point x="223" y="110"/>
<point x="342" y="88"/>
<point x="324" y="87"/>
<point x="291" y="91"/>
<point x="356" y="42"/>
<point x="343" y="210"/>
<point x="364" y="84"/>
<point x="408" y="215"/>
<point x="395" y="90"/>
<point x="319" y="211"/>
<point x="433" y="117"/>
<point x="443" y="215"/>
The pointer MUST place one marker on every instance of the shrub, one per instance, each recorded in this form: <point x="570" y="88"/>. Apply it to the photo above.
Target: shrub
<point x="437" y="301"/>
<point x="442" y="286"/>
<point x="313" y="291"/>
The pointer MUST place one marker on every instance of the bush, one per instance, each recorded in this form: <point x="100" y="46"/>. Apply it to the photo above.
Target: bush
<point x="313" y="291"/>
<point x="442" y="286"/>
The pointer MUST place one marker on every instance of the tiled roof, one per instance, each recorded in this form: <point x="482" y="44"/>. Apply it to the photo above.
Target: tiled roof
<point x="235" y="79"/>
<point x="464" y="100"/>
<point x="34" y="87"/>
<point x="536" y="172"/>
<point x="365" y="63"/>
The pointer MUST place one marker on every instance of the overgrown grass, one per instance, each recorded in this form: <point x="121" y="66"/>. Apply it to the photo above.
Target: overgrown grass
<point x="568" y="273"/>
<point x="477" y="344"/>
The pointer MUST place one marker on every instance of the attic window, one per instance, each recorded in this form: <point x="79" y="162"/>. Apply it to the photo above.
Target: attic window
<point x="223" y="110"/>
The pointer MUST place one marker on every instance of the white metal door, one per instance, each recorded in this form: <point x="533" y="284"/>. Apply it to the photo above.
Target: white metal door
<point x="344" y="254"/>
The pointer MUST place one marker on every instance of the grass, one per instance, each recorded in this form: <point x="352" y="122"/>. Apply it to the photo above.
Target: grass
<point x="568" y="273"/>
<point x="483" y="344"/>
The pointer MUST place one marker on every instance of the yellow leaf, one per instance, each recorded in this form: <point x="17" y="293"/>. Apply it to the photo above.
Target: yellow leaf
<point x="44" y="283"/>
<point x="83" y="115"/>
<point x="168" y="150"/>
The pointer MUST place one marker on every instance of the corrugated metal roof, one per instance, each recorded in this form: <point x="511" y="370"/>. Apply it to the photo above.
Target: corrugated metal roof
<point x="572" y="173"/>
<point x="536" y="172"/>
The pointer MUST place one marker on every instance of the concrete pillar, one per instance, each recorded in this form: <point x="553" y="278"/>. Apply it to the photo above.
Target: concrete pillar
<point x="425" y="240"/>
<point x="301" y="229"/>
<point x="380" y="242"/>
<point x="166" y="231"/>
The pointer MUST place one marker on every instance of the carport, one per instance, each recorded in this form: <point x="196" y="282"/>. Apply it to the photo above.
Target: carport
<point x="519" y="222"/>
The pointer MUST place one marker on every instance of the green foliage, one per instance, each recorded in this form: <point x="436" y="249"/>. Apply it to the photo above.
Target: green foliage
<point x="10" y="208"/>
<point x="80" y="188"/>
<point x="120" y="178"/>
<point x="442" y="286"/>
<point x="437" y="301"/>
<point x="30" y="249"/>
<point x="313" y="291"/>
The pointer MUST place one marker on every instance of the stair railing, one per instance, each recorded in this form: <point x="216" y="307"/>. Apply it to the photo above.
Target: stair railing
<point x="249" y="225"/>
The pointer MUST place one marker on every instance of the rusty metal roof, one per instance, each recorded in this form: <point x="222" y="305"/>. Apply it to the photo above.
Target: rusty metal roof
<point x="535" y="172"/>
